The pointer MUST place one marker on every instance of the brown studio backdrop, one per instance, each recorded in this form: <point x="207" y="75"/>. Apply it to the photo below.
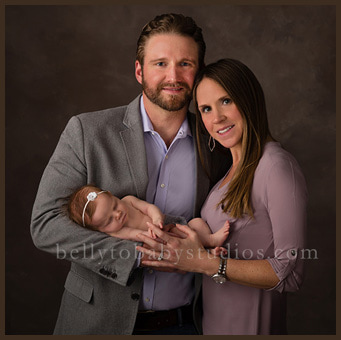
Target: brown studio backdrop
<point x="64" y="60"/>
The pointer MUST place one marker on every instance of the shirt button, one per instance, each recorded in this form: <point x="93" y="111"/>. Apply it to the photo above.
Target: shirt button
<point x="162" y="185"/>
<point x="150" y="271"/>
<point x="166" y="157"/>
<point x="147" y="299"/>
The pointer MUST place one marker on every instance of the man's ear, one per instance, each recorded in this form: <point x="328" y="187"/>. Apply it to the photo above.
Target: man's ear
<point x="138" y="71"/>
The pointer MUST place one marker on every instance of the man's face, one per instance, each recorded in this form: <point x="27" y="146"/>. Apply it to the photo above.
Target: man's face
<point x="169" y="69"/>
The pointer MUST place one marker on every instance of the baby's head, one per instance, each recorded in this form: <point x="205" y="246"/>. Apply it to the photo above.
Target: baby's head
<point x="82" y="205"/>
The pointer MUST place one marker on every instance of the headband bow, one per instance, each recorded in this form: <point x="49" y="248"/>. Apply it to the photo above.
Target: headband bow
<point x="91" y="197"/>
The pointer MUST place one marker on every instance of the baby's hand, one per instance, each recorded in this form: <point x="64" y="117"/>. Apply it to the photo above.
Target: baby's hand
<point x="151" y="232"/>
<point x="158" y="222"/>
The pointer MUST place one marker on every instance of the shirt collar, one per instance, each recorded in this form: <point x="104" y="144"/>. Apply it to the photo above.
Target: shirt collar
<point x="183" y="132"/>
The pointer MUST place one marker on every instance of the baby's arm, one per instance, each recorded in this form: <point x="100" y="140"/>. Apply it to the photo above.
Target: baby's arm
<point x="146" y="208"/>
<point x="127" y="233"/>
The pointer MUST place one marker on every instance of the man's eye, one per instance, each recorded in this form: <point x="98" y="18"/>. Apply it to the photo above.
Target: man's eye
<point x="161" y="63"/>
<point x="185" y="63"/>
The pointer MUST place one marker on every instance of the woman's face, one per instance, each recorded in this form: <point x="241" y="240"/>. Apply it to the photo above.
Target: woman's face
<point x="220" y="115"/>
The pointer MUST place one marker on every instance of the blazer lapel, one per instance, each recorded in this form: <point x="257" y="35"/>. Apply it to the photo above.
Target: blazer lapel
<point x="133" y="141"/>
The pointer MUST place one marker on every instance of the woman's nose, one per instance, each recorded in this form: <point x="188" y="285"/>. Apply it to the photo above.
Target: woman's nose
<point x="217" y="116"/>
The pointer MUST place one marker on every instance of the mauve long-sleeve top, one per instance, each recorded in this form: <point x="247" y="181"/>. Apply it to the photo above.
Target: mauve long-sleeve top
<point x="276" y="234"/>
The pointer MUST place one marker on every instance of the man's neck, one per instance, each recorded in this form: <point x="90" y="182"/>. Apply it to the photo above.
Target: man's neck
<point x="165" y="123"/>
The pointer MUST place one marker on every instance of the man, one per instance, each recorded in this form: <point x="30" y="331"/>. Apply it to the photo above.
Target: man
<point x="145" y="149"/>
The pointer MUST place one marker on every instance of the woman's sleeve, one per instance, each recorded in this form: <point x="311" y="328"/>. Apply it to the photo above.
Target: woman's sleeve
<point x="286" y="200"/>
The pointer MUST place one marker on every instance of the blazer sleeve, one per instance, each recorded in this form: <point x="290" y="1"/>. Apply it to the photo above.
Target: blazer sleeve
<point x="52" y="230"/>
<point x="286" y="196"/>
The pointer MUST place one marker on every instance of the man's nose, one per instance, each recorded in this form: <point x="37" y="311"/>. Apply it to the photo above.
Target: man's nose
<point x="173" y="73"/>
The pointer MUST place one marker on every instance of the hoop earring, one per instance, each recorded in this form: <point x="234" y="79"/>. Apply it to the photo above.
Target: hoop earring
<point x="211" y="145"/>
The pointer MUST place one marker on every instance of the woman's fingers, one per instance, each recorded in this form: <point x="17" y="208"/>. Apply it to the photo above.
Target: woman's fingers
<point x="151" y="243"/>
<point x="158" y="232"/>
<point x="150" y="253"/>
<point x="157" y="251"/>
<point x="162" y="266"/>
<point x="175" y="251"/>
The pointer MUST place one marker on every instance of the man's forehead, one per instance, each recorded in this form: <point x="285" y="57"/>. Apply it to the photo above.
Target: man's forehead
<point x="166" y="37"/>
<point x="162" y="45"/>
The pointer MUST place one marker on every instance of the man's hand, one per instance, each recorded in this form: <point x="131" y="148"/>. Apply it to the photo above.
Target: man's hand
<point x="185" y="254"/>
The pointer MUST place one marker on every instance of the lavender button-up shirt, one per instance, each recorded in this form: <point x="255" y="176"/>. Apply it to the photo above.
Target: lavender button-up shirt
<point x="171" y="186"/>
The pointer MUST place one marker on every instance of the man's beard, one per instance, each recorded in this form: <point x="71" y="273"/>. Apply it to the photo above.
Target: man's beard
<point x="171" y="102"/>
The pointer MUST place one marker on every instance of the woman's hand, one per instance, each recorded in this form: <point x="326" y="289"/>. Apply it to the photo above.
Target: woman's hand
<point x="188" y="254"/>
<point x="185" y="254"/>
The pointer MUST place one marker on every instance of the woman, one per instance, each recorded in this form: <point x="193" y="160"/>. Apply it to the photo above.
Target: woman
<point x="263" y="196"/>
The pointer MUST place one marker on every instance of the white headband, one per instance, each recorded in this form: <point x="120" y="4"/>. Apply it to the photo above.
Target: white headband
<point x="91" y="197"/>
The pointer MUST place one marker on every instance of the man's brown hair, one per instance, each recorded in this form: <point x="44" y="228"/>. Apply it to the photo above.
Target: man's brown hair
<point x="171" y="23"/>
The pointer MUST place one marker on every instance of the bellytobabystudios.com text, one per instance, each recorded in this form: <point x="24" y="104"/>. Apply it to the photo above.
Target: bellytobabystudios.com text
<point x="89" y="251"/>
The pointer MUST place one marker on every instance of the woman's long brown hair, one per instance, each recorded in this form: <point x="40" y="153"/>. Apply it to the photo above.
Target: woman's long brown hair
<point x="246" y="92"/>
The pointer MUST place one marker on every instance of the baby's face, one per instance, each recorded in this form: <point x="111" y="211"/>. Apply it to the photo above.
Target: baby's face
<point x="110" y="214"/>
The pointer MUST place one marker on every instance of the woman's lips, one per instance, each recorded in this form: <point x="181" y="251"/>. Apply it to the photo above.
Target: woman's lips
<point x="225" y="129"/>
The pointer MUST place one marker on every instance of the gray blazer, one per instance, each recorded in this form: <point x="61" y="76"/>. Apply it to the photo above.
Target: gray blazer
<point x="105" y="148"/>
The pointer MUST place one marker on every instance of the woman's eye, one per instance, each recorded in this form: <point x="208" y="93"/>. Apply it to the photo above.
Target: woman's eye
<point x="205" y="109"/>
<point x="226" y="101"/>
